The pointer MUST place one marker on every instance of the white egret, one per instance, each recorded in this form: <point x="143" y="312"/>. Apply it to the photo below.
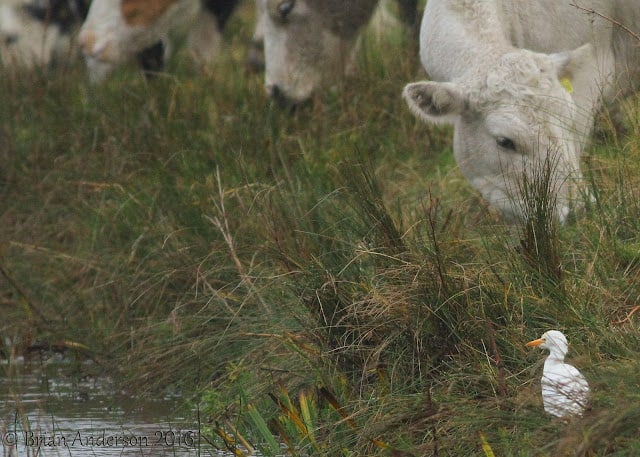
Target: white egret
<point x="565" y="391"/>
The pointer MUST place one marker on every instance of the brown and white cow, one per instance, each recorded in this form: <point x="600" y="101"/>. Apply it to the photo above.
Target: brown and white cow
<point x="309" y="44"/>
<point x="117" y="31"/>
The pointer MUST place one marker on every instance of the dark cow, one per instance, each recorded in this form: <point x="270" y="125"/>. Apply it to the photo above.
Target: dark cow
<point x="39" y="32"/>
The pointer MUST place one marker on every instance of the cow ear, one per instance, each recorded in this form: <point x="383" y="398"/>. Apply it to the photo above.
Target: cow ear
<point x="571" y="64"/>
<point x="434" y="101"/>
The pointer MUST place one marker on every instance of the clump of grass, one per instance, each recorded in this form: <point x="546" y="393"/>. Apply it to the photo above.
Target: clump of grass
<point x="540" y="243"/>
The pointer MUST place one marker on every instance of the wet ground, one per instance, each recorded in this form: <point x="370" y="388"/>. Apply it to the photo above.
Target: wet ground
<point x="52" y="407"/>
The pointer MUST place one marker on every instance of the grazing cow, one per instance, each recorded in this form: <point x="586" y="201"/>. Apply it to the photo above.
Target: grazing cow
<point x="117" y="31"/>
<point x="39" y="32"/>
<point x="309" y="44"/>
<point x="521" y="82"/>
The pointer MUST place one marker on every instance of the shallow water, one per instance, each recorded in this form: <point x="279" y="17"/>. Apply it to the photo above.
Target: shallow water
<point x="56" y="408"/>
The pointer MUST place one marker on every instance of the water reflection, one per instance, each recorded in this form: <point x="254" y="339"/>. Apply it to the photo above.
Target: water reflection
<point x="55" y="408"/>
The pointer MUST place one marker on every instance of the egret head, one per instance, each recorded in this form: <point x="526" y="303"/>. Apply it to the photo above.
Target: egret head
<point x="553" y="340"/>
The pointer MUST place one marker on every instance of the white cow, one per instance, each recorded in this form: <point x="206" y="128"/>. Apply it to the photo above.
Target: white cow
<point x="117" y="31"/>
<point x="521" y="82"/>
<point x="309" y="44"/>
<point x="38" y="33"/>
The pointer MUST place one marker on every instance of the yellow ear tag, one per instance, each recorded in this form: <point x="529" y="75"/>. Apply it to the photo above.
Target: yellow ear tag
<point x="566" y="83"/>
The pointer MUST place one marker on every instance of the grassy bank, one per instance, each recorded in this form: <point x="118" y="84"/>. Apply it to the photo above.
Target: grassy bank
<point x="325" y="278"/>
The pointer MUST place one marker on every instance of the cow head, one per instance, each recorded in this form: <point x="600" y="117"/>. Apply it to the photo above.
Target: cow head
<point x="516" y="121"/>
<point x="309" y="43"/>
<point x="116" y="31"/>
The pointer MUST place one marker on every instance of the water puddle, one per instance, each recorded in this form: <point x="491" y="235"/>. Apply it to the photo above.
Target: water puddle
<point x="54" y="408"/>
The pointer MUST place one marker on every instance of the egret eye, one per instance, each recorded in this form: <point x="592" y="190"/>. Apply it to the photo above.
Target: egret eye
<point x="285" y="7"/>
<point x="506" y="143"/>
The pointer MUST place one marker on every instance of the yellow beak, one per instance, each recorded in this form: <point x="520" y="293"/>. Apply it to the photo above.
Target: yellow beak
<point x="535" y="343"/>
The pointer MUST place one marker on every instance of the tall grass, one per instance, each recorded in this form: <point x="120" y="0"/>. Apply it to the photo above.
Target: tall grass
<point x="326" y="277"/>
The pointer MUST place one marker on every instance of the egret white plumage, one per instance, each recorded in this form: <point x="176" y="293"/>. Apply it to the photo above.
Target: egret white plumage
<point x="565" y="391"/>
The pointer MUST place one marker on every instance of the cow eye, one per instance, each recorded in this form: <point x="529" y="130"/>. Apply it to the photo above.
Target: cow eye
<point x="506" y="143"/>
<point x="285" y="7"/>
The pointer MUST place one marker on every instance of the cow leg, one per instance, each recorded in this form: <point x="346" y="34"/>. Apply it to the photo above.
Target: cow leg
<point x="409" y="12"/>
<point x="221" y="9"/>
<point x="205" y="37"/>
<point x="255" y="55"/>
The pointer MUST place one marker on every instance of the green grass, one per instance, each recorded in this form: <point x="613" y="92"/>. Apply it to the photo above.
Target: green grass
<point x="199" y="240"/>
